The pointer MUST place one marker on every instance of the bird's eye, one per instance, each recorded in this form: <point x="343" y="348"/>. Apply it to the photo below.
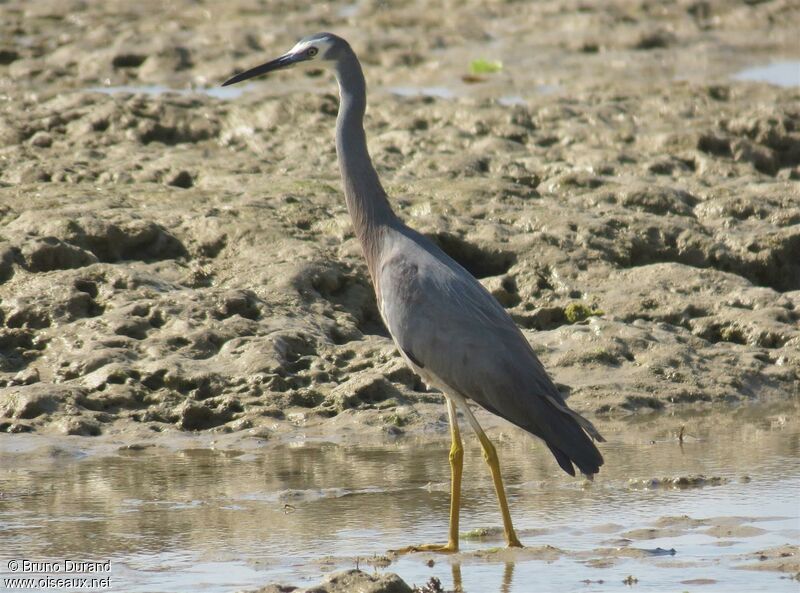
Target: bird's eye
<point x="312" y="51"/>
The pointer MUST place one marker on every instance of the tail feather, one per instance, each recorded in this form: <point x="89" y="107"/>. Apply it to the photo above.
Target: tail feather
<point x="567" y="434"/>
<point x="562" y="459"/>
<point x="570" y="437"/>
<point x="583" y="422"/>
<point x="580" y="449"/>
<point x="570" y="441"/>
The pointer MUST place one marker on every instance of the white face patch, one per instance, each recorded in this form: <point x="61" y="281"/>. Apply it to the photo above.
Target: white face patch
<point x="321" y="44"/>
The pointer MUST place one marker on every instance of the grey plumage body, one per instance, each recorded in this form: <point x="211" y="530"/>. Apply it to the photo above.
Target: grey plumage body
<point x="465" y="343"/>
<point x="448" y="328"/>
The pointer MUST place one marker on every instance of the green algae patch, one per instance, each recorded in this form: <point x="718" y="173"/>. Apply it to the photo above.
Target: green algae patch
<point x="482" y="66"/>
<point x="575" y="312"/>
<point x="482" y="533"/>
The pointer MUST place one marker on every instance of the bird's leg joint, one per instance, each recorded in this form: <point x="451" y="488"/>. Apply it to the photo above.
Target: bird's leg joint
<point x="456" y="453"/>
<point x="489" y="452"/>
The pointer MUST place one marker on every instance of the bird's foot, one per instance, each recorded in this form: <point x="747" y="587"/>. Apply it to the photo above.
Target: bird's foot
<point x="511" y="539"/>
<point x="448" y="548"/>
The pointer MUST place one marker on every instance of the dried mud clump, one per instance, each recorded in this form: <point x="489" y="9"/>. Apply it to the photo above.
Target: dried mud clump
<point x="350" y="580"/>
<point x="784" y="558"/>
<point x="676" y="483"/>
<point x="769" y="140"/>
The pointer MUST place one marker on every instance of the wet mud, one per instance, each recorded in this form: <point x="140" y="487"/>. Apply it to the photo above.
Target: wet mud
<point x="182" y="261"/>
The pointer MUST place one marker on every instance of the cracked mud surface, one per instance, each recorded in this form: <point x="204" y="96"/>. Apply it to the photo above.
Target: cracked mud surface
<point x="185" y="262"/>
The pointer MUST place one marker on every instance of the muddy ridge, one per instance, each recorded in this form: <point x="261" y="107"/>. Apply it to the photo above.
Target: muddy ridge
<point x="184" y="261"/>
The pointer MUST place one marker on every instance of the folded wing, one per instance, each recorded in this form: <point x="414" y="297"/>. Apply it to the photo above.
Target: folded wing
<point x="447" y="323"/>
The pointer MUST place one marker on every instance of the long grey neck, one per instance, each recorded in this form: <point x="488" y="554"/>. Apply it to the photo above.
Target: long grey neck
<point x="366" y="200"/>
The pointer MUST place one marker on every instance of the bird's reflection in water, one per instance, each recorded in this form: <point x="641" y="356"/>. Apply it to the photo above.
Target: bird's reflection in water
<point x="457" y="583"/>
<point x="505" y="585"/>
<point x="508" y="575"/>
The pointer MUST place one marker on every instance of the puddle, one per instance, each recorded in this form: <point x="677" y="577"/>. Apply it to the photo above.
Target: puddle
<point x="785" y="74"/>
<point x="234" y="92"/>
<point x="225" y="93"/>
<point x="225" y="520"/>
<point x="439" y="92"/>
<point x="511" y="100"/>
<point x="348" y="11"/>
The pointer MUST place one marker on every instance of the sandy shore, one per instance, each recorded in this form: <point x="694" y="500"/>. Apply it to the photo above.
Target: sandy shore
<point x="181" y="262"/>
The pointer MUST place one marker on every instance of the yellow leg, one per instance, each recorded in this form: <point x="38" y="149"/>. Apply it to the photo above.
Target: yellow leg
<point x="490" y="454"/>
<point x="456" y="470"/>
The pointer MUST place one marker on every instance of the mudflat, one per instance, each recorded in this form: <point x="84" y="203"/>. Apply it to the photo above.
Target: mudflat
<point x="184" y="260"/>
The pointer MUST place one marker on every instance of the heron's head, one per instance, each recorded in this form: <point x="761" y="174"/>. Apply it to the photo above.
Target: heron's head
<point x="321" y="49"/>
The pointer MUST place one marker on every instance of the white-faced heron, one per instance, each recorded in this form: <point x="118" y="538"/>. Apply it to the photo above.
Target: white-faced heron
<point x="446" y="325"/>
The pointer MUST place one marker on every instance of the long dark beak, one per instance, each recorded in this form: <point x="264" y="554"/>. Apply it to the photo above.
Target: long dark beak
<point x="283" y="62"/>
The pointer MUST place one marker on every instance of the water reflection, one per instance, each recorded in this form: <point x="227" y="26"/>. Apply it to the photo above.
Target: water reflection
<point x="171" y="520"/>
<point x="508" y="575"/>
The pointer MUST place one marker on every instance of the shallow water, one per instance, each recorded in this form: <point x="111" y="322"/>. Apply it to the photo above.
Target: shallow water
<point x="218" y="92"/>
<point x="443" y="92"/>
<point x="785" y="74"/>
<point x="230" y="93"/>
<point x="222" y="520"/>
